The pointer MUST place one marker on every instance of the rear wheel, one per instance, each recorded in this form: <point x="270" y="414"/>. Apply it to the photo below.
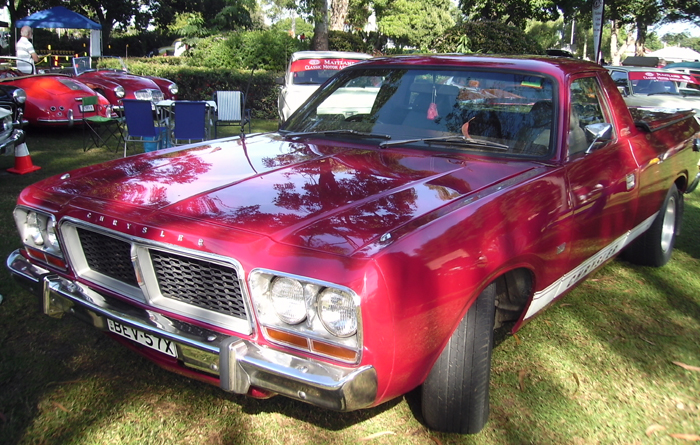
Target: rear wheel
<point x="455" y="396"/>
<point x="654" y="247"/>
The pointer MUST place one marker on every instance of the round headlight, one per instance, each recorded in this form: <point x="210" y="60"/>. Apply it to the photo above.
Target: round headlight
<point x="287" y="297"/>
<point x="336" y="310"/>
<point x="119" y="91"/>
<point x="173" y="88"/>
<point x="19" y="95"/>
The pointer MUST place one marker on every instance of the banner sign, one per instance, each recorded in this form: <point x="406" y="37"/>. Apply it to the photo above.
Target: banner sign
<point x="663" y="76"/>
<point x="598" y="6"/>
<point x="321" y="64"/>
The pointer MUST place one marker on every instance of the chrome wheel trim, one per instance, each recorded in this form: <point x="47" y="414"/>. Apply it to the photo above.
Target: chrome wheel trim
<point x="668" y="228"/>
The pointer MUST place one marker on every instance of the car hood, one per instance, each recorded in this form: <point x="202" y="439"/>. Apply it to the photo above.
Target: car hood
<point x="327" y="197"/>
<point x="663" y="101"/>
<point x="128" y="81"/>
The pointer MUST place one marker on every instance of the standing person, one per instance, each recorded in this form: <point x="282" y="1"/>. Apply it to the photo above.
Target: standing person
<point x="25" y="50"/>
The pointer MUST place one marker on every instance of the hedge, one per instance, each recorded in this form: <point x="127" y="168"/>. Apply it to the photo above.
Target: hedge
<point x="197" y="83"/>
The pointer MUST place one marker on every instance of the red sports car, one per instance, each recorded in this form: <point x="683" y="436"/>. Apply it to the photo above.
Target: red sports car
<point x="112" y="79"/>
<point x="52" y="99"/>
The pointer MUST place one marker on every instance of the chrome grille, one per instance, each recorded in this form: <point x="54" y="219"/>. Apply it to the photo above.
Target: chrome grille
<point x="197" y="285"/>
<point x="200" y="283"/>
<point x="147" y="94"/>
<point x="117" y="264"/>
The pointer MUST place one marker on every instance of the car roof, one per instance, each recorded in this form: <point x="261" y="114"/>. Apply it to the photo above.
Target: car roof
<point x="637" y="68"/>
<point x="542" y="64"/>
<point x="299" y="55"/>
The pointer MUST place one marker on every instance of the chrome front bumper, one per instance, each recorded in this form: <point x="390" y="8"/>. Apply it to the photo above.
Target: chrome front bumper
<point x="8" y="145"/>
<point x="239" y="363"/>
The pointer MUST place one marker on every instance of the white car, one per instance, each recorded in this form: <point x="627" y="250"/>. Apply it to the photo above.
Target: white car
<point x="307" y="70"/>
<point x="656" y="87"/>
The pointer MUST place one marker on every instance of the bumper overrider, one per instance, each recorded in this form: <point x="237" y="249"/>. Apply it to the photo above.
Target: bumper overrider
<point x="8" y="145"/>
<point x="239" y="363"/>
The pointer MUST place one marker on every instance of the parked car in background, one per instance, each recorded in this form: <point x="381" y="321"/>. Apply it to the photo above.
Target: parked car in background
<point x="306" y="71"/>
<point x="112" y="80"/>
<point x="356" y="255"/>
<point x="12" y="100"/>
<point x="657" y="87"/>
<point x="53" y="99"/>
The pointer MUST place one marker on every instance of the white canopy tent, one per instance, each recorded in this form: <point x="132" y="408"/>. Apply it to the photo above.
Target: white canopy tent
<point x="675" y="54"/>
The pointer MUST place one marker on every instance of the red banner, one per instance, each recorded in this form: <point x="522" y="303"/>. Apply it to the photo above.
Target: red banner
<point x="321" y="64"/>
<point x="663" y="76"/>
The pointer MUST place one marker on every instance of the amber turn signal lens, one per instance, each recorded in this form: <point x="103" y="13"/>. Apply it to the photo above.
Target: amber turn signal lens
<point x="286" y="337"/>
<point x="347" y="355"/>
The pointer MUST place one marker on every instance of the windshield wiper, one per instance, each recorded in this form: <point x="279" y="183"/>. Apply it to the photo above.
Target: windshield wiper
<point x="360" y="134"/>
<point x="459" y="140"/>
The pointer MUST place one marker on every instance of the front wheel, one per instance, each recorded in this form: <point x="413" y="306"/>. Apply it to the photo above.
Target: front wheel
<point x="455" y="396"/>
<point x="654" y="247"/>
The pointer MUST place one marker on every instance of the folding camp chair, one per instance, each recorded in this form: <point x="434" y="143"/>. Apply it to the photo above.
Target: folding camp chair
<point x="229" y="110"/>
<point x="140" y="126"/>
<point x="98" y="130"/>
<point x="190" y="121"/>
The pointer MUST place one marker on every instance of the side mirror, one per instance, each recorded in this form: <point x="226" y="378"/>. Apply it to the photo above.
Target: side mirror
<point x="623" y="91"/>
<point x="279" y="80"/>
<point x="598" y="133"/>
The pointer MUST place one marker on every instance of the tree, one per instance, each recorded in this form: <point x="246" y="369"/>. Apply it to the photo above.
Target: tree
<point x="414" y="22"/>
<point x="219" y="15"/>
<point x="320" y="14"/>
<point x="339" y="14"/>
<point x="513" y="12"/>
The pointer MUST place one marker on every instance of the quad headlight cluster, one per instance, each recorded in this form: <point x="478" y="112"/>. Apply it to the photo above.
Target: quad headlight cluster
<point x="319" y="317"/>
<point x="39" y="235"/>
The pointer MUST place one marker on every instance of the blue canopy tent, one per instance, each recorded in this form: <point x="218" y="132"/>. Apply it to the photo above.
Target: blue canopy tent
<point x="60" y="17"/>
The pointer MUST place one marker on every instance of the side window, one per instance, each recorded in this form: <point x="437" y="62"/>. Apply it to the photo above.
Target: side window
<point x="586" y="109"/>
<point x="621" y="81"/>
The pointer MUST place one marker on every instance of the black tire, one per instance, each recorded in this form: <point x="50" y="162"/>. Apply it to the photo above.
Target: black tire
<point x="455" y="396"/>
<point x="655" y="246"/>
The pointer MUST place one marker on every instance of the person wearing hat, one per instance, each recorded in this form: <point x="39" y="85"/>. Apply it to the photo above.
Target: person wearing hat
<point x="25" y="51"/>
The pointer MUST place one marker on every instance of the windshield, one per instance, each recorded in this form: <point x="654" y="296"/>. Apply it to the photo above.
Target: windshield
<point x="438" y="109"/>
<point x="317" y="71"/>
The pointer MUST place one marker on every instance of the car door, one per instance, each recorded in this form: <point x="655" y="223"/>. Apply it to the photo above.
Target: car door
<point x="603" y="182"/>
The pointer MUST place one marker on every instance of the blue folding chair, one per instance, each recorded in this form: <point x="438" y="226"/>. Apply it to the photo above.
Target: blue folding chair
<point x="140" y="126"/>
<point x="190" y="121"/>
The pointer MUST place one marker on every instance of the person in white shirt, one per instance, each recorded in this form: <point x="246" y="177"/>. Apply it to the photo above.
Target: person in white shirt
<point x="25" y="51"/>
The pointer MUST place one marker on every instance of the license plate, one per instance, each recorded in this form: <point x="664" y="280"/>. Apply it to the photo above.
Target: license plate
<point x="144" y="338"/>
<point x="86" y="108"/>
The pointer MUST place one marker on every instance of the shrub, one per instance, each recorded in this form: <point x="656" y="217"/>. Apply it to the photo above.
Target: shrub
<point x="345" y="41"/>
<point x="269" y="50"/>
<point x="486" y="37"/>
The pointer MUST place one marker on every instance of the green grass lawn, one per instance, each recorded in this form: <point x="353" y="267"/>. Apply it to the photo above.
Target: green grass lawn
<point x="612" y="362"/>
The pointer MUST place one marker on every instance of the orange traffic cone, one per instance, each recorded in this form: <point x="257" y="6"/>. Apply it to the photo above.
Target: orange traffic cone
<point x="23" y="162"/>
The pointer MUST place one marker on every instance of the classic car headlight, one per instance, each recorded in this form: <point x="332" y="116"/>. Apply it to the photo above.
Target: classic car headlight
<point x="19" y="96"/>
<point x="7" y="123"/>
<point x="39" y="235"/>
<point x="173" y="88"/>
<point x="119" y="91"/>
<point x="337" y="311"/>
<point x="302" y="313"/>
<point x="287" y="298"/>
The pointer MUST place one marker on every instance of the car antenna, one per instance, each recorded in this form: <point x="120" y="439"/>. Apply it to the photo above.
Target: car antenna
<point x="244" y="118"/>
